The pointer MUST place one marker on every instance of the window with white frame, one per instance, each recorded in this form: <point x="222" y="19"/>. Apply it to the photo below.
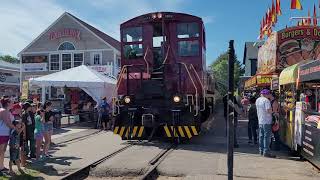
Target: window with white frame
<point x="96" y="58"/>
<point x="77" y="59"/>
<point x="66" y="61"/>
<point x="54" y="62"/>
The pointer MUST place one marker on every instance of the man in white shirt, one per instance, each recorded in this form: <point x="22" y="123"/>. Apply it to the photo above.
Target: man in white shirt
<point x="264" y="112"/>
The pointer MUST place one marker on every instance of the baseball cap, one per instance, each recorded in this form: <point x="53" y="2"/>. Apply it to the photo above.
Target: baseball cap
<point x="265" y="92"/>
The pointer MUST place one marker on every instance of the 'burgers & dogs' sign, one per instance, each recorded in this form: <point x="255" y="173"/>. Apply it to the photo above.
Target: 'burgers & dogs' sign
<point x="297" y="44"/>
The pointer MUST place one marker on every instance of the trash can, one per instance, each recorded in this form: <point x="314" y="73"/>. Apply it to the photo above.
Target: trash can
<point x="57" y="118"/>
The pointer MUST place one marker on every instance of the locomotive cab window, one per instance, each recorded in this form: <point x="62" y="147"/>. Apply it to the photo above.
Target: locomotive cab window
<point x="133" y="51"/>
<point x="188" y="30"/>
<point x="133" y="34"/>
<point x="188" y="48"/>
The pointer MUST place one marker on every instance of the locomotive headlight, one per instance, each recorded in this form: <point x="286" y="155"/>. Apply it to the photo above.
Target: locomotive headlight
<point x="159" y="15"/>
<point x="127" y="100"/>
<point x="176" y="99"/>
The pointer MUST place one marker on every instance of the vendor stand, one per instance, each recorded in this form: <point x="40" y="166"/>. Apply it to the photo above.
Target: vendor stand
<point x="309" y="82"/>
<point x="288" y="93"/>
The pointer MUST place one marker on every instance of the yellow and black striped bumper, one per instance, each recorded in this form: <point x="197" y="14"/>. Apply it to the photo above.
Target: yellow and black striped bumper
<point x="123" y="131"/>
<point x="181" y="131"/>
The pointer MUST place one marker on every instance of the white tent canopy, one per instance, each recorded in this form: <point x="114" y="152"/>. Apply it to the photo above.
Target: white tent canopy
<point x="92" y="82"/>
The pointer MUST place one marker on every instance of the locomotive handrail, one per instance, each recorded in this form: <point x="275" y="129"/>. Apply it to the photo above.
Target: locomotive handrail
<point x="190" y="95"/>
<point x="203" y="89"/>
<point x="145" y="60"/>
<point x="194" y="85"/>
<point x="115" y="105"/>
<point x="165" y="59"/>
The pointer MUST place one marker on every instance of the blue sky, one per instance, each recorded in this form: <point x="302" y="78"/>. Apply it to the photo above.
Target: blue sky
<point x="22" y="20"/>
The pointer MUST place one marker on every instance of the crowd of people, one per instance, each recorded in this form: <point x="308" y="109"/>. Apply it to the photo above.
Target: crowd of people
<point x="27" y="129"/>
<point x="262" y="112"/>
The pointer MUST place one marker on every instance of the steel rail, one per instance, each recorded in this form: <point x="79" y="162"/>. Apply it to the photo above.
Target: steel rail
<point x="94" y="164"/>
<point x="155" y="162"/>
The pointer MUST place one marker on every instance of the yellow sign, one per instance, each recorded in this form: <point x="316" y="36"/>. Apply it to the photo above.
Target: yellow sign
<point x="264" y="80"/>
<point x="25" y="90"/>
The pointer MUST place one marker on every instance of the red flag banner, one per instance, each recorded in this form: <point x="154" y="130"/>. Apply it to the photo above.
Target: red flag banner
<point x="296" y="4"/>
<point x="278" y="7"/>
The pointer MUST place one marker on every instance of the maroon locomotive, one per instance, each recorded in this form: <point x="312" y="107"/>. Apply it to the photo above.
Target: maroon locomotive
<point x="163" y="87"/>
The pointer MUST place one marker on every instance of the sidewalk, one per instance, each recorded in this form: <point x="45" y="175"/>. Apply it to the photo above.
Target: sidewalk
<point x="206" y="158"/>
<point x="63" y="155"/>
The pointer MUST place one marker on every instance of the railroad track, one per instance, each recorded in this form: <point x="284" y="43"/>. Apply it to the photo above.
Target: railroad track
<point x="149" y="171"/>
<point x="78" y="138"/>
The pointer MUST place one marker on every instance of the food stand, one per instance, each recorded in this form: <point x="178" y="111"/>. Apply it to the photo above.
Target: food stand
<point x="309" y="83"/>
<point x="288" y="93"/>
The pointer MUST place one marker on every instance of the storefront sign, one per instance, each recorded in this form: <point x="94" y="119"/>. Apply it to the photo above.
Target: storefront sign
<point x="66" y="32"/>
<point x="103" y="69"/>
<point x="267" y="55"/>
<point x="297" y="44"/>
<point x="34" y="59"/>
<point x="28" y="77"/>
<point x="299" y="115"/>
<point x="25" y="90"/>
<point x="34" y="67"/>
<point x="275" y="84"/>
<point x="264" y="80"/>
<point x="310" y="71"/>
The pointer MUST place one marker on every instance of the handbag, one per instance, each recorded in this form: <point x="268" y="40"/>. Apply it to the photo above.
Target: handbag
<point x="275" y="125"/>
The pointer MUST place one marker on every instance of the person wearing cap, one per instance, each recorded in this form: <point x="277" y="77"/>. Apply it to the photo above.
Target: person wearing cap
<point x="264" y="111"/>
<point x="28" y="120"/>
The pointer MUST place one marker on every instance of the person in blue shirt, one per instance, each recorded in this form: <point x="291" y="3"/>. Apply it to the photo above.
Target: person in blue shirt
<point x="104" y="113"/>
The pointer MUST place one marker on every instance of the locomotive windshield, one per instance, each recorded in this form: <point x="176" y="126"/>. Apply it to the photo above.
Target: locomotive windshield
<point x="132" y="35"/>
<point x="188" y="39"/>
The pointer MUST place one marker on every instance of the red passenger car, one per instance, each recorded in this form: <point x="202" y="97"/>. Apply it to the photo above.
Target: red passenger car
<point x="163" y="88"/>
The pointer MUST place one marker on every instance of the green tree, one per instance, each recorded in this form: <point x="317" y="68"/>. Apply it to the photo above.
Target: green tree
<point x="9" y="59"/>
<point x="220" y="70"/>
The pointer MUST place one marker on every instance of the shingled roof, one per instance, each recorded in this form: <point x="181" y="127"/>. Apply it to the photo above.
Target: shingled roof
<point x="108" y="39"/>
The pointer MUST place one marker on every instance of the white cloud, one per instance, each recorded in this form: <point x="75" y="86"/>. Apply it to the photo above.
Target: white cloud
<point x="119" y="11"/>
<point x="22" y="21"/>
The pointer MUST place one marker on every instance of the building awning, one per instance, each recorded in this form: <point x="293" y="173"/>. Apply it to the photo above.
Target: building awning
<point x="289" y="75"/>
<point x="250" y="83"/>
<point x="260" y="80"/>
<point x="310" y="71"/>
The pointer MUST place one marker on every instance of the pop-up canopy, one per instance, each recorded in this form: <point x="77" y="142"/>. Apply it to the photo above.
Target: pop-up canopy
<point x="92" y="82"/>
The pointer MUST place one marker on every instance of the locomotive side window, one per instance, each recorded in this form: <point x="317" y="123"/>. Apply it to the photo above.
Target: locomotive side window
<point x="188" y="30"/>
<point x="133" y="51"/>
<point x="188" y="48"/>
<point x="133" y="34"/>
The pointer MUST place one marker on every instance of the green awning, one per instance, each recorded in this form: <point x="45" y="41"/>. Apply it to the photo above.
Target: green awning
<point x="289" y="75"/>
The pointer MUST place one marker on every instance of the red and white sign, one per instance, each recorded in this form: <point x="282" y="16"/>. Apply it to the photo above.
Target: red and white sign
<point x="28" y="77"/>
<point x="66" y="32"/>
<point x="107" y="69"/>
